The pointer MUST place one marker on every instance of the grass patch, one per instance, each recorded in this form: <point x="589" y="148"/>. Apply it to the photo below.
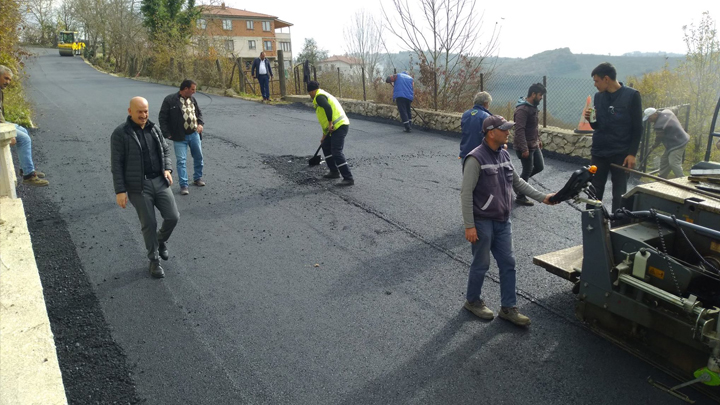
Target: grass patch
<point x="17" y="109"/>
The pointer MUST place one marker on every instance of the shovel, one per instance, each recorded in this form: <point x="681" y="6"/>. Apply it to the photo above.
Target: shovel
<point x="316" y="159"/>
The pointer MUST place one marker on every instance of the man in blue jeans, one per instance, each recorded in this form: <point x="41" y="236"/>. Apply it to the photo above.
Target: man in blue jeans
<point x="22" y="139"/>
<point x="181" y="121"/>
<point x="489" y="179"/>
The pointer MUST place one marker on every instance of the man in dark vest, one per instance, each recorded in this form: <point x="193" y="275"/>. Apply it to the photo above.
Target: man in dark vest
<point x="618" y="129"/>
<point x="527" y="142"/>
<point x="142" y="172"/>
<point x="403" y="95"/>
<point x="489" y="179"/>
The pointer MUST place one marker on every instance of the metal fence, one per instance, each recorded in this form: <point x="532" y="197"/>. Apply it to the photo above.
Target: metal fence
<point x="562" y="106"/>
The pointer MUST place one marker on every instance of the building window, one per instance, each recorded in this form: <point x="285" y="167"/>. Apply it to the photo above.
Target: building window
<point x="251" y="44"/>
<point x="266" y="25"/>
<point x="229" y="45"/>
<point x="250" y="25"/>
<point x="227" y="24"/>
<point x="201" y="23"/>
<point x="267" y="45"/>
<point x="285" y="46"/>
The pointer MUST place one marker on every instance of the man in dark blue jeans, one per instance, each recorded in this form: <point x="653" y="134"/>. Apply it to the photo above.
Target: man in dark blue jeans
<point x="262" y="71"/>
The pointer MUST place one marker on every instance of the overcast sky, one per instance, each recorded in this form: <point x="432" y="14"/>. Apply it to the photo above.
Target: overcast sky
<point x="527" y="27"/>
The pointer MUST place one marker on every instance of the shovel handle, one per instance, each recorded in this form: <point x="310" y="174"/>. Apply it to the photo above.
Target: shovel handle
<point x="318" y="150"/>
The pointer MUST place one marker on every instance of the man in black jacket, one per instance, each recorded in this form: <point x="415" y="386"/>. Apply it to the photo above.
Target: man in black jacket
<point x="262" y="71"/>
<point x="181" y="121"/>
<point x="141" y="169"/>
<point x="618" y="128"/>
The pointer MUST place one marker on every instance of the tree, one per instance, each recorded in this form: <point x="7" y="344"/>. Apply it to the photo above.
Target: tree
<point x="446" y="39"/>
<point x="40" y="14"/>
<point x="169" y="19"/>
<point x="311" y="52"/>
<point x="701" y="71"/>
<point x="363" y="39"/>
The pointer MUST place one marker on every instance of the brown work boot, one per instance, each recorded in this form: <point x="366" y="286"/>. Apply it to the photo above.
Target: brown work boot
<point x="479" y="309"/>
<point x="199" y="183"/>
<point x="184" y="191"/>
<point x="35" y="181"/>
<point x="511" y="314"/>
<point x="37" y="173"/>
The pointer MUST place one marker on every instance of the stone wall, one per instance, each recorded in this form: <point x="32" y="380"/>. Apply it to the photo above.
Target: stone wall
<point x="558" y="140"/>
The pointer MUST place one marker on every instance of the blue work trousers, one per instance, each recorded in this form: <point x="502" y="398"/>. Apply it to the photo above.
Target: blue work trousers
<point x="493" y="237"/>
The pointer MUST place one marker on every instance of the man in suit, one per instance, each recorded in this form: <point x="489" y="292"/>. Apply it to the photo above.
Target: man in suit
<point x="262" y="71"/>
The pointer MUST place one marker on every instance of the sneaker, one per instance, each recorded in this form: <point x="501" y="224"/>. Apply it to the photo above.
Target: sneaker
<point x="511" y="314"/>
<point x="199" y="183"/>
<point x="184" y="191"/>
<point x="346" y="182"/>
<point x="35" y="181"/>
<point x="332" y="175"/>
<point x="524" y="201"/>
<point x="479" y="309"/>
<point x="163" y="251"/>
<point x="156" y="270"/>
<point x="37" y="173"/>
<point x="407" y="130"/>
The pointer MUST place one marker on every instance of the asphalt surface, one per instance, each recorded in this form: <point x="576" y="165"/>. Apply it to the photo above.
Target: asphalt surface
<point x="245" y="316"/>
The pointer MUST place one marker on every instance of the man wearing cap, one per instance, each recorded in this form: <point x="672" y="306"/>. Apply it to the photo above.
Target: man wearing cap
<point x="671" y="134"/>
<point x="335" y="126"/>
<point x="618" y="129"/>
<point x="403" y="94"/>
<point x="486" y="196"/>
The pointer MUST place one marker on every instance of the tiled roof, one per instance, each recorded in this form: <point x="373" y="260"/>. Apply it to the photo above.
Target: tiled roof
<point x="345" y="59"/>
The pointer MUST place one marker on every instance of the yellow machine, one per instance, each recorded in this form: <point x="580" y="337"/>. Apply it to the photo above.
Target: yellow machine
<point x="69" y="43"/>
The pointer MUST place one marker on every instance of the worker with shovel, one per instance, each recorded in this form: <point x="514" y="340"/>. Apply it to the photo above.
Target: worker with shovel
<point x="335" y="126"/>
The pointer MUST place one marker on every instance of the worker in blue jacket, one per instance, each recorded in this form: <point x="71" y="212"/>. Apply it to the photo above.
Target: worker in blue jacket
<point x="403" y="94"/>
<point x="471" y="123"/>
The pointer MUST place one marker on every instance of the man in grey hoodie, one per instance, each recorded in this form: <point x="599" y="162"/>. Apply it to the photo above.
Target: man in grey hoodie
<point x="671" y="134"/>
<point x="527" y="142"/>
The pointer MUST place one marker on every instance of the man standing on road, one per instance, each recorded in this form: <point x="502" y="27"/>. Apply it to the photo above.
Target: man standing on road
<point x="471" y="123"/>
<point x="181" y="121"/>
<point x="141" y="169"/>
<point x="618" y="129"/>
<point x="403" y="95"/>
<point x="262" y="71"/>
<point x="486" y="196"/>
<point x="527" y="142"/>
<point x="335" y="126"/>
<point x="671" y="134"/>
<point x="30" y="176"/>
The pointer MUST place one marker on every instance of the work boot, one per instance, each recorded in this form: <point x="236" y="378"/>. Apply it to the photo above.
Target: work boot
<point x="199" y="183"/>
<point x="332" y="175"/>
<point x="163" y="251"/>
<point x="156" y="270"/>
<point x="479" y="309"/>
<point x="346" y="182"/>
<point x="524" y="201"/>
<point x="35" y="181"/>
<point x="511" y="314"/>
<point x="184" y="191"/>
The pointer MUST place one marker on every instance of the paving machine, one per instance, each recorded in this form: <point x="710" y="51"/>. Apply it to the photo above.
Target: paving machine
<point x="650" y="282"/>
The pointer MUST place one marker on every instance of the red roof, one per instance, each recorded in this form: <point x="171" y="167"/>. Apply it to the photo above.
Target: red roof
<point x="224" y="11"/>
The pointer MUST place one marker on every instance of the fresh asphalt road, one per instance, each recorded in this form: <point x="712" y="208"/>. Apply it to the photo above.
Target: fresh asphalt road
<point x="245" y="316"/>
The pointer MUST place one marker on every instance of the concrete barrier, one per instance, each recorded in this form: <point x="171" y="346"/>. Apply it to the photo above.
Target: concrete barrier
<point x="29" y="369"/>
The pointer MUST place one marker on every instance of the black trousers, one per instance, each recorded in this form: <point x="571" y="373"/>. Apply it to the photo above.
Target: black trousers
<point x="532" y="165"/>
<point x="333" y="150"/>
<point x="403" y="105"/>
<point x="156" y="193"/>
<point x="619" y="178"/>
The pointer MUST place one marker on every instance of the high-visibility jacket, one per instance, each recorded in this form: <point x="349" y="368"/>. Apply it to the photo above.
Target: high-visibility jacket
<point x="74" y="46"/>
<point x="338" y="114"/>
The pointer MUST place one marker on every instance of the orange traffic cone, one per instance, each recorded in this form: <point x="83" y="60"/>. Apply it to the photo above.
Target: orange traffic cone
<point x="584" y="126"/>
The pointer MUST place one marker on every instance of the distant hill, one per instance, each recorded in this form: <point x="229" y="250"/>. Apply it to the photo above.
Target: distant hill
<point x="563" y="63"/>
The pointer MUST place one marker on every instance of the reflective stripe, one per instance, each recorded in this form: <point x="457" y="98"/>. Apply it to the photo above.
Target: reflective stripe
<point x="497" y="166"/>
<point x="484" y="207"/>
<point x="342" y="117"/>
<point x="328" y="156"/>
<point x="341" y="165"/>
